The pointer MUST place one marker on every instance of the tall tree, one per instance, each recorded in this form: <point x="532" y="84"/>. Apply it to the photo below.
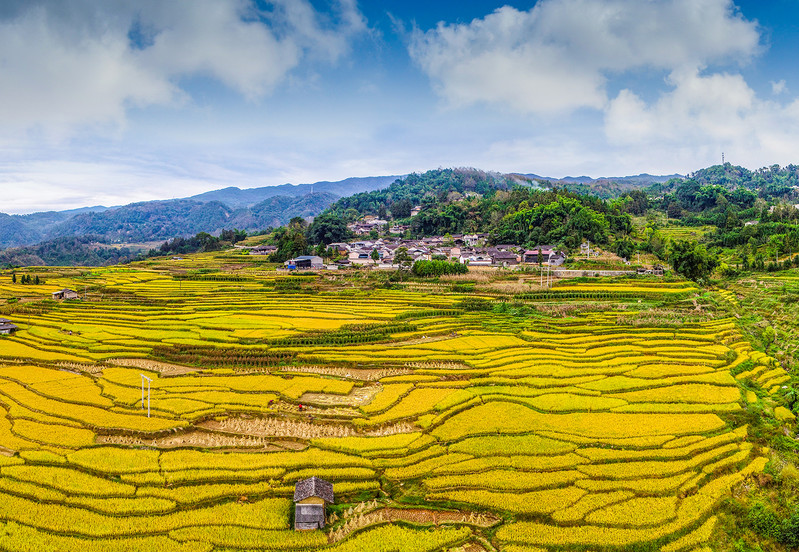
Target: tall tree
<point x="328" y="228"/>
<point x="692" y="260"/>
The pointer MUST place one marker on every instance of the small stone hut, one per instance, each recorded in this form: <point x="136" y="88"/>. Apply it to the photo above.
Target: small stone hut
<point x="311" y="496"/>
<point x="65" y="294"/>
<point x="7" y="327"/>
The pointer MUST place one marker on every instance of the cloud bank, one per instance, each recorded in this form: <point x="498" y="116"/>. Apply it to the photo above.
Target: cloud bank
<point x="559" y="55"/>
<point x="86" y="62"/>
<point x="562" y="56"/>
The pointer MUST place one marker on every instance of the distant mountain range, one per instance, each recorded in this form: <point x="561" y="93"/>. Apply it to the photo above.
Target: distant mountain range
<point x="640" y="180"/>
<point x="238" y="198"/>
<point x="605" y="187"/>
<point x="249" y="209"/>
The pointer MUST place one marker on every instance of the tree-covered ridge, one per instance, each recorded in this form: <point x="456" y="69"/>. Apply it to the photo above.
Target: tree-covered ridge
<point x="772" y="181"/>
<point x="751" y="214"/>
<point x="508" y="208"/>
<point x="425" y="189"/>
<point x="158" y="220"/>
<point x="68" y="251"/>
<point x="769" y="183"/>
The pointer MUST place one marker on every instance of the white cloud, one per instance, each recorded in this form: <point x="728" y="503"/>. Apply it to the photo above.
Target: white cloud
<point x="73" y="63"/>
<point x="558" y="55"/>
<point x="717" y="106"/>
<point x="778" y="87"/>
<point x="715" y="112"/>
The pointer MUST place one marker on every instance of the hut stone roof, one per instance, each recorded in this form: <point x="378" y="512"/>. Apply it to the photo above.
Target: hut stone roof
<point x="313" y="486"/>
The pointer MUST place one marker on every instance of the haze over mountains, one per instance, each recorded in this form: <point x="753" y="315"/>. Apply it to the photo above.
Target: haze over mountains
<point x="250" y="209"/>
<point x="247" y="209"/>
<point x="642" y="178"/>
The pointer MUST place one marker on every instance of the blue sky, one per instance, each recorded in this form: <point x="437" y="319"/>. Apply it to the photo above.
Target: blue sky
<point x="129" y="100"/>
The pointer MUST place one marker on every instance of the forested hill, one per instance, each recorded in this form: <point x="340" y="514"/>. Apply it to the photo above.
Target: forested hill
<point x="71" y="251"/>
<point x="249" y="209"/>
<point x="427" y="189"/>
<point x="238" y="198"/>
<point x="767" y="182"/>
<point x="159" y="220"/>
<point x="511" y="208"/>
<point x="608" y="187"/>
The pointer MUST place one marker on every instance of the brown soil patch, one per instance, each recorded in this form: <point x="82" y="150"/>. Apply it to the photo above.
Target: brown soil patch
<point x="165" y="369"/>
<point x="93" y="369"/>
<point x="200" y="439"/>
<point x="314" y="412"/>
<point x="421" y="516"/>
<point x="277" y="427"/>
<point x="422" y="340"/>
<point x="357" y="397"/>
<point x="440" y="365"/>
<point x="362" y="374"/>
<point x="437" y="516"/>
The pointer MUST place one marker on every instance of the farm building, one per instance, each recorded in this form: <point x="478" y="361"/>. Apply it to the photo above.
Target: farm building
<point x="548" y="255"/>
<point x="657" y="270"/>
<point x="310" y="498"/>
<point x="305" y="261"/>
<point x="263" y="250"/>
<point x="7" y="327"/>
<point x="65" y="294"/>
<point x="504" y="258"/>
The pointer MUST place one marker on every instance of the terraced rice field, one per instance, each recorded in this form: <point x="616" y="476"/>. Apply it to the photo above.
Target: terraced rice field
<point x="501" y="432"/>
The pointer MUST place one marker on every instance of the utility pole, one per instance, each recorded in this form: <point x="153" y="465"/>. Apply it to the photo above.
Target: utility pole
<point x="148" y="393"/>
<point x="589" y="249"/>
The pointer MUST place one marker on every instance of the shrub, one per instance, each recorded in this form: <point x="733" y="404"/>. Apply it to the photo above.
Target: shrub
<point x="438" y="268"/>
<point x="474" y="304"/>
<point x="764" y="521"/>
<point x="790" y="531"/>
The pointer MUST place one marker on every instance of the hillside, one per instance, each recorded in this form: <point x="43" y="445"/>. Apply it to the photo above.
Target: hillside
<point x="161" y="220"/>
<point x="602" y="414"/>
<point x="68" y="251"/>
<point x="238" y="198"/>
<point x="260" y="208"/>
<point x="511" y="208"/>
<point x="249" y="209"/>
<point x="606" y="187"/>
<point x="430" y="187"/>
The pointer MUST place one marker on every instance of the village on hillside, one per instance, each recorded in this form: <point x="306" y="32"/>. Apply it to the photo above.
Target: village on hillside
<point x="469" y="249"/>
